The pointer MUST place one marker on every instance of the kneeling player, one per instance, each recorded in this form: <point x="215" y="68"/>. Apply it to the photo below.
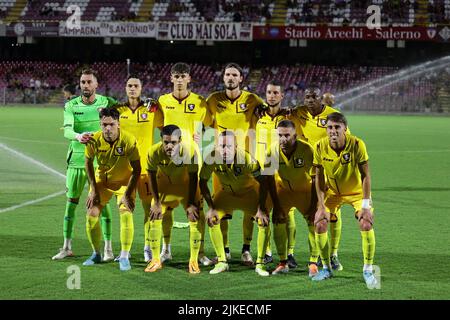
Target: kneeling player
<point x="292" y="187"/>
<point x="238" y="175"/>
<point x="117" y="174"/>
<point x="172" y="166"/>
<point x="342" y="161"/>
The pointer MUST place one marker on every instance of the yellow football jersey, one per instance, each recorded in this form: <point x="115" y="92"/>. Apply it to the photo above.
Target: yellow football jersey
<point x="167" y="169"/>
<point x="312" y="128"/>
<point x="341" y="171"/>
<point x="234" y="114"/>
<point x="188" y="114"/>
<point x="266" y="135"/>
<point x="114" y="169"/>
<point x="295" y="173"/>
<point x="141" y="124"/>
<point x="236" y="178"/>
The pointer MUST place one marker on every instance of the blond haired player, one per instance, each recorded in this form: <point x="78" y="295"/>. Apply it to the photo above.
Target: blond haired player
<point x="343" y="160"/>
<point x="117" y="174"/>
<point x="137" y="119"/>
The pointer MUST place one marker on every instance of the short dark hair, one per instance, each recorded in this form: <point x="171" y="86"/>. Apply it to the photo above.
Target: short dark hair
<point x="276" y="83"/>
<point x="133" y="76"/>
<point x="88" y="71"/>
<point x="286" y="124"/>
<point x="171" y="130"/>
<point x="180" y="67"/>
<point x="226" y="133"/>
<point x="109" y="112"/>
<point x="71" y="88"/>
<point x="233" y="65"/>
<point x="337" y="117"/>
<point x="314" y="90"/>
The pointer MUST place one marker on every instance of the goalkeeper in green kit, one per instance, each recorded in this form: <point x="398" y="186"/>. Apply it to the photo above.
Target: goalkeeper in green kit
<point x="80" y="121"/>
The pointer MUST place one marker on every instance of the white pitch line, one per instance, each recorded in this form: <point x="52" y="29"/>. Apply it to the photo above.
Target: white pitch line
<point x="413" y="151"/>
<point x="53" y="195"/>
<point x="33" y="141"/>
<point x="35" y="162"/>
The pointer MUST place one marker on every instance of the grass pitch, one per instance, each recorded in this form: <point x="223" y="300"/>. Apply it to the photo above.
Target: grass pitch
<point x="410" y="164"/>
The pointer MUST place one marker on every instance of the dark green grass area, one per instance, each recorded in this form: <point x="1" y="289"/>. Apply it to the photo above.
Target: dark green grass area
<point x="410" y="164"/>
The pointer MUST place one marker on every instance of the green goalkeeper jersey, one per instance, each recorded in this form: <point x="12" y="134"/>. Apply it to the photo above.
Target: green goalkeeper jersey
<point x="78" y="118"/>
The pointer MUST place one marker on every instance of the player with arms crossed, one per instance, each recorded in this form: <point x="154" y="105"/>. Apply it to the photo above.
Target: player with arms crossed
<point x="80" y="119"/>
<point x="118" y="172"/>
<point x="342" y="161"/>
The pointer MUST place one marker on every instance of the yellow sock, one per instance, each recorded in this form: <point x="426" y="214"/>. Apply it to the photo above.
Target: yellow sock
<point x="335" y="233"/>
<point x="313" y="248"/>
<point x="195" y="238"/>
<point x="247" y="229"/>
<point x="224" y="230"/>
<point x="291" y="231"/>
<point x="324" y="247"/>
<point x="368" y="245"/>
<point x="280" y="237"/>
<point x="167" y="224"/>
<point x="269" y="248"/>
<point x="217" y="241"/>
<point x="94" y="232"/>
<point x="263" y="240"/>
<point x="154" y="235"/>
<point x="126" y="230"/>
<point x="146" y="223"/>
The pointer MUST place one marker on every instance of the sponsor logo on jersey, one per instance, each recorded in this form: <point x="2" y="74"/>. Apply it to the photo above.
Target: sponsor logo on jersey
<point x="326" y="159"/>
<point x="78" y="113"/>
<point x="299" y="162"/>
<point x="123" y="117"/>
<point x="169" y="107"/>
<point x="191" y="106"/>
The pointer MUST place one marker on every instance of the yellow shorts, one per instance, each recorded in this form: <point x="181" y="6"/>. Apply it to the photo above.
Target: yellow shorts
<point x="172" y="195"/>
<point x="294" y="199"/>
<point x="106" y="194"/>
<point x="143" y="188"/>
<point x="334" y="202"/>
<point x="226" y="202"/>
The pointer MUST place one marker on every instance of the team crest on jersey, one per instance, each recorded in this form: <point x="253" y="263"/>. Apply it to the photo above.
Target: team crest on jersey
<point x="243" y="106"/>
<point x="323" y="122"/>
<point x="119" y="151"/>
<point x="144" y="116"/>
<point x="299" y="162"/>
<point x="191" y="106"/>
<point x="237" y="171"/>
<point x="346" y="157"/>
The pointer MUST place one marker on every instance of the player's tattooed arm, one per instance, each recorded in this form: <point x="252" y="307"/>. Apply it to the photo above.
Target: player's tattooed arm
<point x="192" y="210"/>
<point x="262" y="215"/>
<point x="212" y="216"/>
<point x="127" y="199"/>
<point x="278" y="216"/>
<point x="321" y="213"/>
<point x="93" y="198"/>
<point x="156" y="208"/>
<point x="313" y="207"/>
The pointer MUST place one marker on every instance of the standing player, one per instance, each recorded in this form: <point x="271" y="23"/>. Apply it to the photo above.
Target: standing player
<point x="81" y="118"/>
<point x="292" y="186"/>
<point x="310" y="121"/>
<point x="117" y="174"/>
<point x="136" y="119"/>
<point x="234" y="109"/>
<point x="241" y="188"/>
<point x="69" y="92"/>
<point x="188" y="111"/>
<point x="342" y="161"/>
<point x="173" y="172"/>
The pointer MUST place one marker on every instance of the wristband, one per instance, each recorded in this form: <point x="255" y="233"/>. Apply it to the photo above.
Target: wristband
<point x="366" y="204"/>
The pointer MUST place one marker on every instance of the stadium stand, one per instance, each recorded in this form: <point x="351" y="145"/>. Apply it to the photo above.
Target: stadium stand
<point x="30" y="82"/>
